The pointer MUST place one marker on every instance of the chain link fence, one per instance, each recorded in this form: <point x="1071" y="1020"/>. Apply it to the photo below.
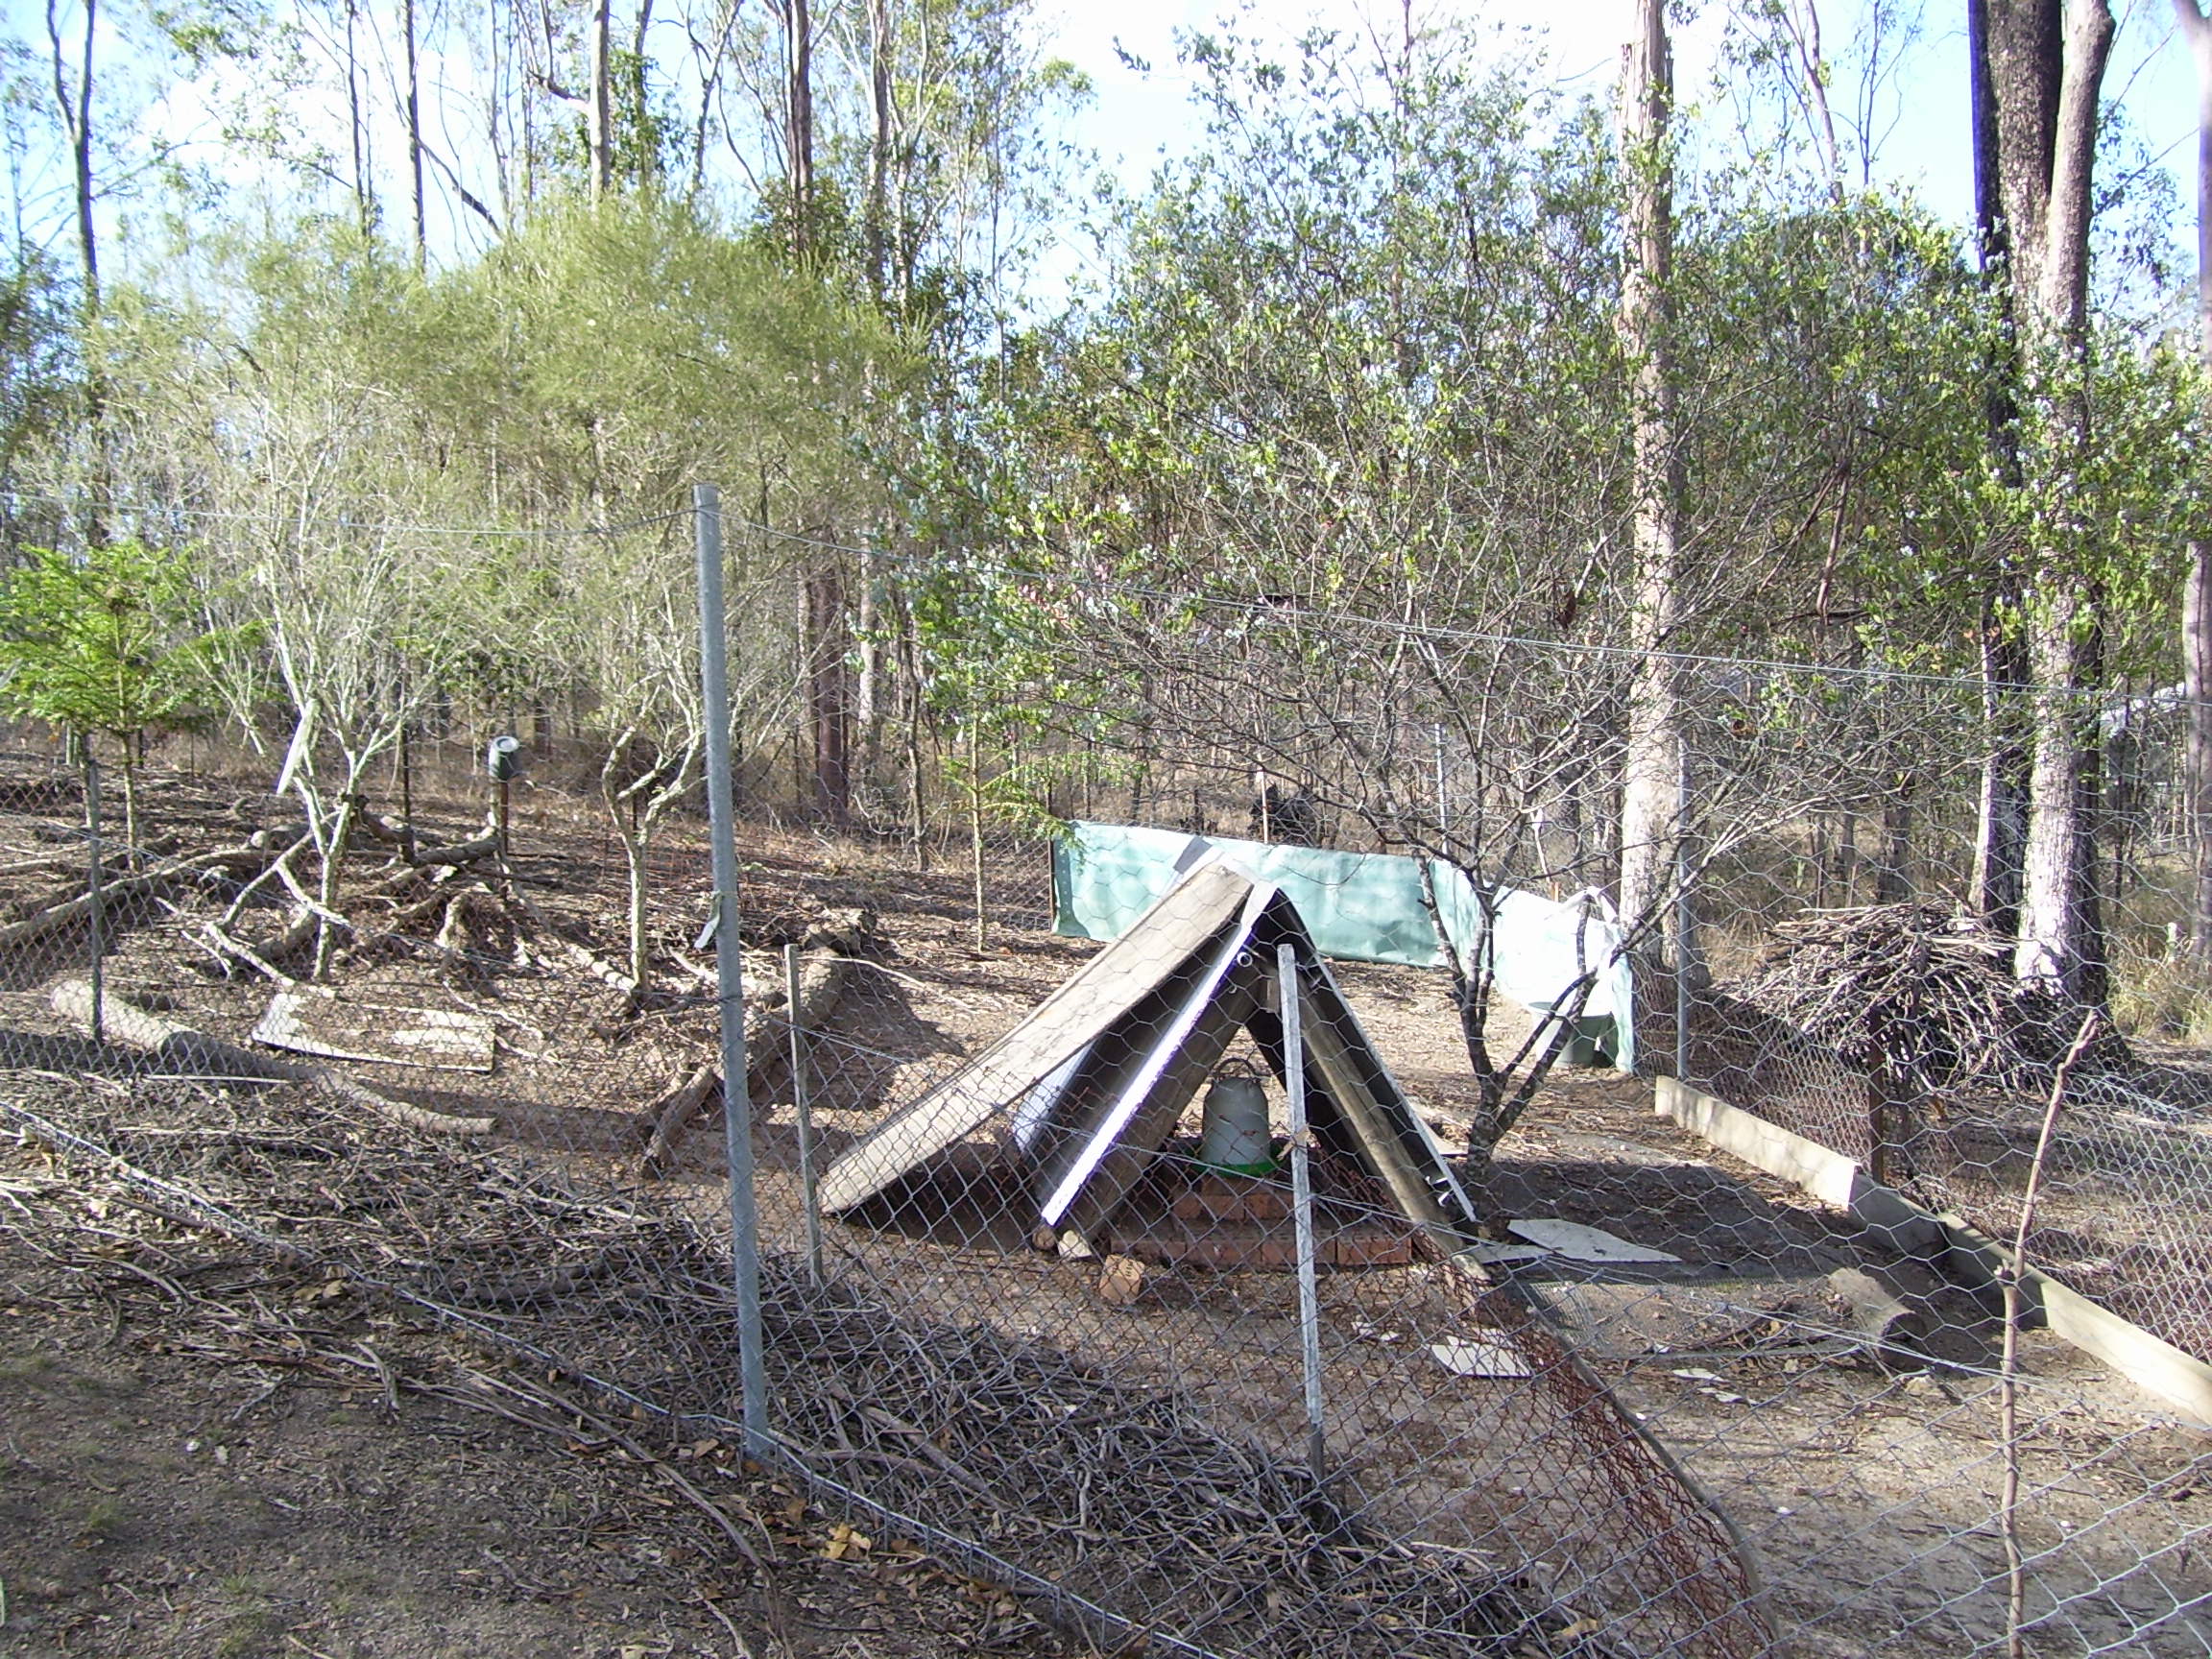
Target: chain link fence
<point x="1215" y="1293"/>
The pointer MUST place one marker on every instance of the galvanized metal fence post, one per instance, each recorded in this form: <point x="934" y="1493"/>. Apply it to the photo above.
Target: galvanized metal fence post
<point x="1685" y="910"/>
<point x="93" y="898"/>
<point x="729" y="971"/>
<point x="1302" y="1200"/>
<point x="802" y="1105"/>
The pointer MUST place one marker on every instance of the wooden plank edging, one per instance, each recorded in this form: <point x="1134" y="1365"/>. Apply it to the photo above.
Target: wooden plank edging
<point x="1974" y="1259"/>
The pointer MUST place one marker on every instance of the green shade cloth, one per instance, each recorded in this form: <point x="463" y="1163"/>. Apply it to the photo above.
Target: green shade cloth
<point x="1366" y="908"/>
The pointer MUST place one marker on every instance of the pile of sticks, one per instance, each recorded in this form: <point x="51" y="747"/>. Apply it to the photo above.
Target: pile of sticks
<point x="1921" y="996"/>
<point x="1123" y="1493"/>
<point x="1123" y="1496"/>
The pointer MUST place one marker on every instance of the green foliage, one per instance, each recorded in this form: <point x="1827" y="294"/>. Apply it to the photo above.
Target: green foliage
<point x="608" y="354"/>
<point x="1014" y="796"/>
<point x="2108" y="501"/>
<point x="39" y="373"/>
<point x="104" y="644"/>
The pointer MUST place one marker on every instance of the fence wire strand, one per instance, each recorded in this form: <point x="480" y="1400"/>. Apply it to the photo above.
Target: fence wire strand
<point x="1643" y="1395"/>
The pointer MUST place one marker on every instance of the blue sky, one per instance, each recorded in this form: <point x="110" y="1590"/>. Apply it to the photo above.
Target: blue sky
<point x="1137" y="117"/>
<point x="1924" y="144"/>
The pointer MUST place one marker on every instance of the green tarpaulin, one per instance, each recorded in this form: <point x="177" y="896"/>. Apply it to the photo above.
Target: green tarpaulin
<point x="1363" y="907"/>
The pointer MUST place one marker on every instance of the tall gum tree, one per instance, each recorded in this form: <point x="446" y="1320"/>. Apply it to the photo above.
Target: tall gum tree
<point x="2196" y="27"/>
<point x="1652" y="770"/>
<point x="2045" y="64"/>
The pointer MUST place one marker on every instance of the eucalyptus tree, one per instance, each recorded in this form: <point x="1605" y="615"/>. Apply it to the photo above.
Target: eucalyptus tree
<point x="2045" y="64"/>
<point x="584" y="408"/>
<point x="1651" y="796"/>
<point x="2196" y="586"/>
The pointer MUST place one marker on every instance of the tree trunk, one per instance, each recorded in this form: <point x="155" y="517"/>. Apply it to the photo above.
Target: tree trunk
<point x="1649" y="808"/>
<point x="2045" y="64"/>
<point x="2000" y="827"/>
<point x="869" y="701"/>
<point x="633" y="827"/>
<point x="2197" y="590"/>
<point x="364" y="199"/>
<point x="2001" y="830"/>
<point x="415" y="136"/>
<point x="1893" y="880"/>
<point x="915" y="705"/>
<point x="975" y="830"/>
<point x="333" y="879"/>
<point x="599" y="102"/>
<point x="876" y="231"/>
<point x="1845" y="874"/>
<point x="2197" y="761"/>
<point x="76" y="110"/>
<point x="635" y="839"/>
<point x="132" y="841"/>
<point x="826" y="695"/>
<point x="799" y="122"/>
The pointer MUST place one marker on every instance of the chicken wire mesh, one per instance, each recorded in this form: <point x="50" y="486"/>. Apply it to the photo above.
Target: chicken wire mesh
<point x="1752" y="1424"/>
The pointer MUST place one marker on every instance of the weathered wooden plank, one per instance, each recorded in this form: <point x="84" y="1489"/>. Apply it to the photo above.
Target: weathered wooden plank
<point x="427" y="1039"/>
<point x="1972" y="1258"/>
<point x="1107" y="988"/>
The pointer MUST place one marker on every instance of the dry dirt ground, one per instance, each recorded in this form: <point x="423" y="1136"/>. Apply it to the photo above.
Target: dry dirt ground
<point x="163" y="1497"/>
<point x="171" y="1483"/>
<point x="176" y="1486"/>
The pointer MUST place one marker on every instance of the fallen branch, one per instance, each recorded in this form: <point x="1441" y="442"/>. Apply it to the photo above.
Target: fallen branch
<point x="378" y="829"/>
<point x="600" y="969"/>
<point x="672" y="1112"/>
<point x="821" y="982"/>
<point x="73" y="911"/>
<point x="460" y="853"/>
<point x="45" y="861"/>
<point x="125" y="1022"/>
<point x="303" y="896"/>
<point x="295" y="936"/>
<point x="70" y="912"/>
<point x="454" y="930"/>
<point x="227" y="946"/>
<point x="282" y="862"/>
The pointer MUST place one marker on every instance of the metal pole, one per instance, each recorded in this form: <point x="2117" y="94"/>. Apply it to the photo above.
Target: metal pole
<point x="729" y="973"/>
<point x="1684" y="921"/>
<point x="92" y="879"/>
<point x="1301" y="1198"/>
<point x="805" y="1107"/>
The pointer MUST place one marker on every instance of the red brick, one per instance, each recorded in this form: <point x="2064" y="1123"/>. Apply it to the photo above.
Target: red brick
<point x="1217" y="1200"/>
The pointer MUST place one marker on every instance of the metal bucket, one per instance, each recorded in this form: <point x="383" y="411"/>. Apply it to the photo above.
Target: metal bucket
<point x="1235" y="1139"/>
